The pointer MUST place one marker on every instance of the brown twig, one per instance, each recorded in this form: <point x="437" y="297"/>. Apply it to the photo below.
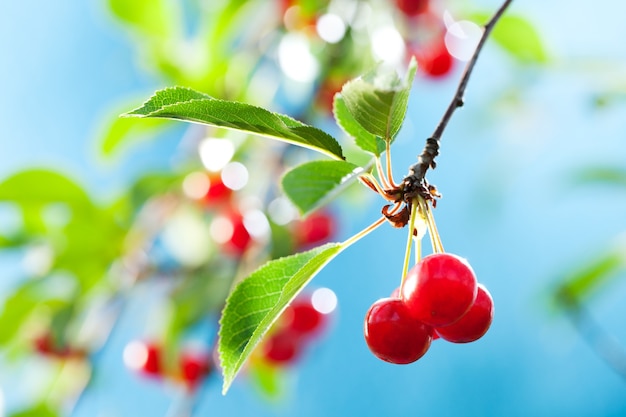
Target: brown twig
<point x="415" y="183"/>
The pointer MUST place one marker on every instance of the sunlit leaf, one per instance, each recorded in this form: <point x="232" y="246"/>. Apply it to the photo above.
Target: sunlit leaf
<point x="517" y="36"/>
<point x="39" y="410"/>
<point x="185" y="104"/>
<point x="258" y="300"/>
<point x="149" y="17"/>
<point x="17" y="308"/>
<point x="364" y="139"/>
<point x="378" y="100"/>
<point x="312" y="184"/>
<point x="121" y="131"/>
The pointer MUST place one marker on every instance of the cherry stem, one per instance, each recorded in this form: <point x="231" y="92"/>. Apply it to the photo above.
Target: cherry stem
<point x="390" y="180"/>
<point x="426" y="159"/>
<point x="364" y="232"/>
<point x="381" y="173"/>
<point x="435" y="239"/>
<point x="407" y="253"/>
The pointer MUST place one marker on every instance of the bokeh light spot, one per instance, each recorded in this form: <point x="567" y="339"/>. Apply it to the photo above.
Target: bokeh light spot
<point x="324" y="300"/>
<point x="331" y="28"/>
<point x="196" y="185"/>
<point x="461" y="39"/>
<point x="296" y="60"/>
<point x="215" y="153"/>
<point x="235" y="175"/>
<point x="135" y="355"/>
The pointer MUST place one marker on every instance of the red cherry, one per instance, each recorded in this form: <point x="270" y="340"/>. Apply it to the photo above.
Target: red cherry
<point x="474" y="324"/>
<point x="412" y="7"/>
<point x="240" y="239"/>
<point x="217" y="192"/>
<point x="301" y="318"/>
<point x="194" y="367"/>
<point x="143" y="357"/>
<point x="46" y="345"/>
<point x="435" y="60"/>
<point x="440" y="289"/>
<point x="281" y="348"/>
<point x="152" y="364"/>
<point x="393" y="335"/>
<point x="317" y="228"/>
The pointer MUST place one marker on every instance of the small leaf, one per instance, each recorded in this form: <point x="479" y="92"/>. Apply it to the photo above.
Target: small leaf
<point x="40" y="410"/>
<point x="121" y="131"/>
<point x="518" y="37"/>
<point x="150" y="17"/>
<point x="364" y="139"/>
<point x="378" y="100"/>
<point x="602" y="175"/>
<point x="312" y="184"/>
<point x="257" y="301"/>
<point x="583" y="282"/>
<point x="189" y="105"/>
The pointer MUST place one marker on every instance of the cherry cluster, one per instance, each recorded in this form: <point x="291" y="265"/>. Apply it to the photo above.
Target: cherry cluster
<point x="439" y="298"/>
<point x="232" y="231"/>
<point x="298" y="325"/>
<point x="424" y="32"/>
<point x="147" y="358"/>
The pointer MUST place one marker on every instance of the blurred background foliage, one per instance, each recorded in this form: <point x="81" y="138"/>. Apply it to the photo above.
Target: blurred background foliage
<point x="177" y="239"/>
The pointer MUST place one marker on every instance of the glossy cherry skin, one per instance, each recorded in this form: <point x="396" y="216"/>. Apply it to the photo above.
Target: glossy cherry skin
<point x="412" y="7"/>
<point x="440" y="289"/>
<point x="393" y="335"/>
<point x="474" y="324"/>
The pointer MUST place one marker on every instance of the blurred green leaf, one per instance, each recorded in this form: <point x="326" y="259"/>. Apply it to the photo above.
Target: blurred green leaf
<point x="38" y="187"/>
<point x="121" y="131"/>
<point x="602" y="175"/>
<point x="378" y="100"/>
<point x="185" y="104"/>
<point x="39" y="410"/>
<point x="312" y="184"/>
<point x="283" y="242"/>
<point x="257" y="301"/>
<point x="149" y="17"/>
<point x="517" y="36"/>
<point x="267" y="378"/>
<point x="17" y="308"/>
<point x="364" y="139"/>
<point x="198" y="295"/>
<point x="584" y="281"/>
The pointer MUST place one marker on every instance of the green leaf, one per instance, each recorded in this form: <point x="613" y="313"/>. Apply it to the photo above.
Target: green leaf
<point x="16" y="310"/>
<point x="364" y="139"/>
<point x="312" y="184"/>
<point x="378" y="100"/>
<point x="257" y="301"/>
<point x="37" y="187"/>
<point x="602" y="175"/>
<point x="121" y="131"/>
<point x="185" y="104"/>
<point x="149" y="17"/>
<point x="518" y="37"/>
<point x="40" y="410"/>
<point x="583" y="282"/>
<point x="268" y="379"/>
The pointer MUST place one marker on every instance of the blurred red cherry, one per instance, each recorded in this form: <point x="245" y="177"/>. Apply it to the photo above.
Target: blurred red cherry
<point x="317" y="228"/>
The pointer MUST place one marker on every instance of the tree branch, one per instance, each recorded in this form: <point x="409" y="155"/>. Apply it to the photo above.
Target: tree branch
<point x="415" y="183"/>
